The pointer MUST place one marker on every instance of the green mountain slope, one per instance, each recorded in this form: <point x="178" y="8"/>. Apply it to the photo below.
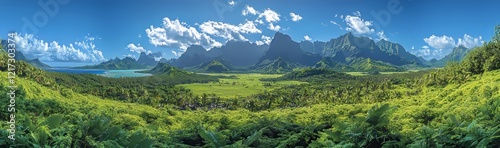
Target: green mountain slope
<point x="217" y="65"/>
<point x="168" y="70"/>
<point x="328" y="63"/>
<point x="278" y="65"/>
<point x="456" y="55"/>
<point x="362" y="64"/>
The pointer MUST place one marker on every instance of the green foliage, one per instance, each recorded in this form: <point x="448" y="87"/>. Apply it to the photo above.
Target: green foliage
<point x="457" y="106"/>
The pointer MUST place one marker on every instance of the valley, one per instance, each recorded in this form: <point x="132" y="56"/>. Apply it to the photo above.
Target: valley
<point x="238" y="85"/>
<point x="250" y="74"/>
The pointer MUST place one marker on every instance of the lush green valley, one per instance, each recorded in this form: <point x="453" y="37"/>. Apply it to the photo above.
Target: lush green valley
<point x="456" y="106"/>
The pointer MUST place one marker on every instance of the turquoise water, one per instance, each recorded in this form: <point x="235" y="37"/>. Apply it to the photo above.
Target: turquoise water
<point x="102" y="72"/>
<point x="125" y="73"/>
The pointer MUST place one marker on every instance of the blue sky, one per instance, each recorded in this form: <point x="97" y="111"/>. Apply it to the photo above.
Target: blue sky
<point x="91" y="31"/>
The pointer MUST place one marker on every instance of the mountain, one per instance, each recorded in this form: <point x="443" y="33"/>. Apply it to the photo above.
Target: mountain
<point x="397" y="49"/>
<point x="147" y="60"/>
<point x="313" y="48"/>
<point x="456" y="55"/>
<point x="328" y="63"/>
<point x="125" y="63"/>
<point x="282" y="46"/>
<point x="353" y="47"/>
<point x="422" y="60"/>
<point x="241" y="53"/>
<point x="217" y="65"/>
<point x="279" y="65"/>
<point x="20" y="57"/>
<point x="168" y="70"/>
<point x="194" y="55"/>
<point x="238" y="53"/>
<point x="37" y="63"/>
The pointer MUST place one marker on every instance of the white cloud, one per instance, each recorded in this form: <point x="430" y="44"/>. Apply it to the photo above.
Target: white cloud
<point x="135" y="48"/>
<point x="440" y="42"/>
<point x="232" y="3"/>
<point x="177" y="54"/>
<point x="139" y="36"/>
<point x="430" y="54"/>
<point x="307" y="38"/>
<point x="357" y="13"/>
<point x="443" y="45"/>
<point x="381" y="35"/>
<point x="470" y="42"/>
<point x="357" y="25"/>
<point x="295" y="17"/>
<point x="270" y="16"/>
<point x="273" y="28"/>
<point x="229" y="31"/>
<point x="265" y="40"/>
<point x="259" y="21"/>
<point x="335" y="23"/>
<point x="84" y="51"/>
<point x="173" y="33"/>
<point x="412" y="47"/>
<point x="249" y="10"/>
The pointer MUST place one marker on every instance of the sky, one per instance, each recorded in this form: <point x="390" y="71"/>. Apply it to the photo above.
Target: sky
<point x="92" y="31"/>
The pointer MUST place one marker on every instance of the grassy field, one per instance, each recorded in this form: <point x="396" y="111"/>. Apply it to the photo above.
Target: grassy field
<point x="241" y="85"/>
<point x="384" y="73"/>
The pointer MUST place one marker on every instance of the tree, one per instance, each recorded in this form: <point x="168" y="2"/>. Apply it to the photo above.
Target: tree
<point x="496" y="38"/>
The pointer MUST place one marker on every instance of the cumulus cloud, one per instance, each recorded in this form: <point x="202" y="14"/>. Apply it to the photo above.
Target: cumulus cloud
<point x="249" y="10"/>
<point x="381" y="35"/>
<point x="273" y="27"/>
<point x="135" y="48"/>
<point x="265" y="40"/>
<point x="429" y="54"/>
<point x="229" y="31"/>
<point x="295" y="17"/>
<point x="470" y="42"/>
<point x="270" y="16"/>
<point x="177" y="54"/>
<point x="357" y="25"/>
<point x="231" y="3"/>
<point x="84" y="51"/>
<point x="440" y="42"/>
<point x="307" y="38"/>
<point x="443" y="45"/>
<point x="173" y="33"/>
<point x="335" y="23"/>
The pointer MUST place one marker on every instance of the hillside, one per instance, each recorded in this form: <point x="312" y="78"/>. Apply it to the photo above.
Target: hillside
<point x="217" y="65"/>
<point x="37" y="63"/>
<point x="456" y="106"/>
<point x="167" y="70"/>
<point x="399" y="50"/>
<point x="279" y="65"/>
<point x="362" y="64"/>
<point x="456" y="55"/>
<point x="328" y="63"/>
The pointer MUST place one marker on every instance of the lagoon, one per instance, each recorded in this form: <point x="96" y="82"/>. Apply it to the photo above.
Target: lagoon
<point x="103" y="72"/>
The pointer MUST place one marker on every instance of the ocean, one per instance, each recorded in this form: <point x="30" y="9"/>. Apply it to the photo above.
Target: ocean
<point x="102" y="72"/>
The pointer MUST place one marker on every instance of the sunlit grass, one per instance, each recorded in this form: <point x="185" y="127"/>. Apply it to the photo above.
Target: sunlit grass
<point x="242" y="85"/>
